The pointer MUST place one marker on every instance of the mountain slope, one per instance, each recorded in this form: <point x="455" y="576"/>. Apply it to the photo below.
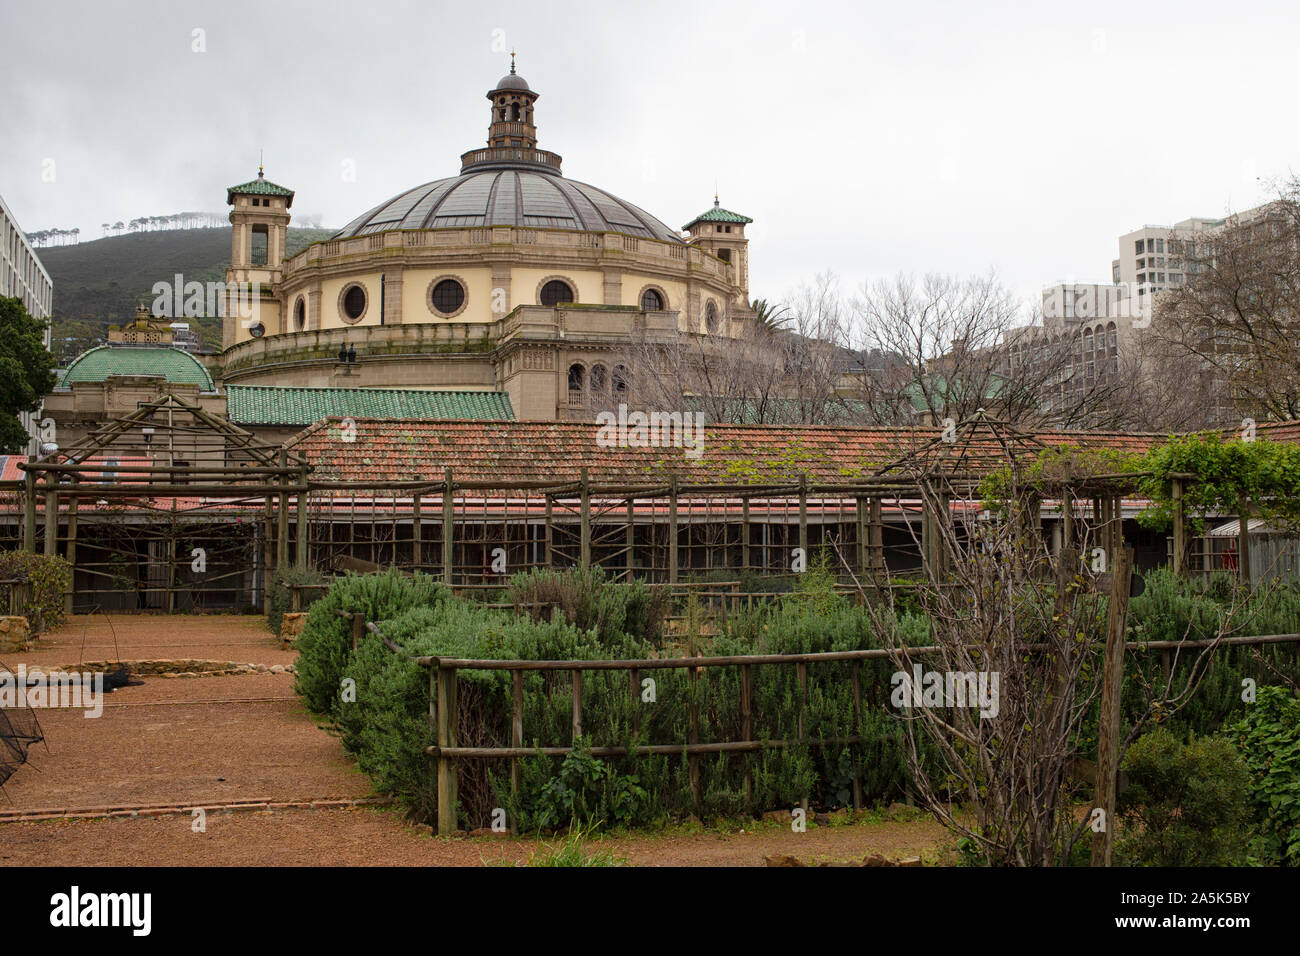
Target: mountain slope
<point x="100" y="283"/>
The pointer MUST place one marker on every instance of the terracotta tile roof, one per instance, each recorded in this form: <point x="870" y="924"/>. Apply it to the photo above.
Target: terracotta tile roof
<point x="556" y="451"/>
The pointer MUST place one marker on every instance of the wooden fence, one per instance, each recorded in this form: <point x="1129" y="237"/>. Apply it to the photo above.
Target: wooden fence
<point x="443" y="684"/>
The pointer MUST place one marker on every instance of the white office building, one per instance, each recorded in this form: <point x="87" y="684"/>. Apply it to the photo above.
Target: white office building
<point x="22" y="276"/>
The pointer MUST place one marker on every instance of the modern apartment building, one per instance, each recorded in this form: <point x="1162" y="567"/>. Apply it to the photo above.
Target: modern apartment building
<point x="23" y="277"/>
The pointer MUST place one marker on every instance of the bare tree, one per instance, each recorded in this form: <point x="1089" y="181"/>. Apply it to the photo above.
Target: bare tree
<point x="949" y="346"/>
<point x="1237" y="315"/>
<point x="752" y="372"/>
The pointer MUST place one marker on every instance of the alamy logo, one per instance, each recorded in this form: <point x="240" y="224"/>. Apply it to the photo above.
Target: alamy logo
<point x="74" y="908"/>
<point x="654" y="430"/>
<point x="39" y="690"/>
<point x="946" y="689"/>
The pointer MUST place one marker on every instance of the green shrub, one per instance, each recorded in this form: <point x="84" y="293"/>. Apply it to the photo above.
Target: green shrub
<point x="1187" y="803"/>
<point x="326" y="639"/>
<point x="281" y="597"/>
<point x="48" y="580"/>
<point x="1268" y="738"/>
<point x="589" y="601"/>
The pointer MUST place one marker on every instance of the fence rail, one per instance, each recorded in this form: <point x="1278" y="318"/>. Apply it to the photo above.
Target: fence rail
<point x="443" y="685"/>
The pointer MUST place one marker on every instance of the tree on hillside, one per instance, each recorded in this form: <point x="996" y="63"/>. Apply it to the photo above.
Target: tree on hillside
<point x="26" y="371"/>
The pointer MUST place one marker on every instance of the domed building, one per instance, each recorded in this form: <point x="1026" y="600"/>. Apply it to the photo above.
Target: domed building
<point x="508" y="277"/>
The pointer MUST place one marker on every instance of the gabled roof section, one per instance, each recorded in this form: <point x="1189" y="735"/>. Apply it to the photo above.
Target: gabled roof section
<point x="275" y="405"/>
<point x="175" y="365"/>
<point x="206" y="435"/>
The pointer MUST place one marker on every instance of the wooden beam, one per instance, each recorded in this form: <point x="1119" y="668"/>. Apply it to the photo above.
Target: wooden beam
<point x="1108" y="729"/>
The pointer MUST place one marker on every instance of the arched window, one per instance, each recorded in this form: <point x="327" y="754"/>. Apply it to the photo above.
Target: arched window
<point x="651" y="301"/>
<point x="555" y="292"/>
<point x="599" y="379"/>
<point x="514" y="112"/>
<point x="620" y="379"/>
<point x="711" y="317"/>
<point x="577" y="384"/>
<point x="300" y="314"/>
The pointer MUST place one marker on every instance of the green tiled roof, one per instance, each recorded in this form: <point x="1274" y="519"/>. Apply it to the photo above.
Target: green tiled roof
<point x="278" y="405"/>
<point x="258" y="187"/>
<point x="718" y="214"/>
<point x="175" y="365"/>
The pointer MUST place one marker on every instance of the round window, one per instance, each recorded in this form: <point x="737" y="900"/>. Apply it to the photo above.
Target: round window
<point x="651" y="301"/>
<point x="354" y="303"/>
<point x="300" y="314"/>
<point x="448" y="297"/>
<point x="555" y="292"/>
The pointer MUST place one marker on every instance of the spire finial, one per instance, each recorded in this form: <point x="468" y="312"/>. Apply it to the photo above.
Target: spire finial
<point x="512" y="62"/>
<point x="260" y="168"/>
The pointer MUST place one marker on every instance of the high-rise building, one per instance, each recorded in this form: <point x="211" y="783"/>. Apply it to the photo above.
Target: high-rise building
<point x="23" y="277"/>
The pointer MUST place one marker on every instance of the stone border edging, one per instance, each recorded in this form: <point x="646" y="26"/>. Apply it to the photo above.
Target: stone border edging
<point x="177" y="809"/>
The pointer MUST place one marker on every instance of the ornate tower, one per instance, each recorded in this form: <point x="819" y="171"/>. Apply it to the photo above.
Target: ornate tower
<point x="259" y="220"/>
<point x="512" y="132"/>
<point x="721" y="232"/>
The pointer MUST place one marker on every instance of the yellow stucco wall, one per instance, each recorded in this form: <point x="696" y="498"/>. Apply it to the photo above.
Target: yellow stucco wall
<point x="329" y="300"/>
<point x="478" y="290"/>
<point x="524" y="285"/>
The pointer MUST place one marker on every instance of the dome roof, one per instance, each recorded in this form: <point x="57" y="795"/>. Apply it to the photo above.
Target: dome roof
<point x="512" y="81"/>
<point x="509" y="197"/>
<point x="175" y="365"/>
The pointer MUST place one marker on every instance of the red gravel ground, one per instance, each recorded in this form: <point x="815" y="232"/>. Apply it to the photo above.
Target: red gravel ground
<point x="371" y="837"/>
<point x="147" y="637"/>
<point x="212" y="740"/>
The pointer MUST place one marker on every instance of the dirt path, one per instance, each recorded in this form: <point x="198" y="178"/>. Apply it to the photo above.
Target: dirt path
<point x="371" y="837"/>
<point x="183" y="742"/>
<point x="218" y="637"/>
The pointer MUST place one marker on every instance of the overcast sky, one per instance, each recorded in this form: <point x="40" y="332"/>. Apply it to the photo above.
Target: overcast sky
<point x="863" y="138"/>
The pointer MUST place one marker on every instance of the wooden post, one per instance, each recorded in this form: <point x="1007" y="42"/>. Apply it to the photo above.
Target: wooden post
<point x="1243" y="544"/>
<point x="1180" y="529"/>
<point x="417" y="534"/>
<point x="72" y="548"/>
<point x="855" y="678"/>
<point x="744" y="534"/>
<point x="672" y="530"/>
<point x="268" y="555"/>
<point x="516" y="732"/>
<point x="1067" y="518"/>
<point x="801" y="668"/>
<point x="51" y="523"/>
<point x="358" y="628"/>
<point x="448" y="517"/>
<point x="634" y="677"/>
<point x="864" y="547"/>
<point x="302" y="543"/>
<point x="577" y="706"/>
<point x="29" y="512"/>
<point x="446" y="717"/>
<point x="550" y="533"/>
<point x="803" y="518"/>
<point x="282" y="515"/>
<point x="1108" y="730"/>
<point x="584" y="493"/>
<point x="693" y="731"/>
<point x="877" y="537"/>
<point x="629" y="537"/>
<point x="746" y="724"/>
